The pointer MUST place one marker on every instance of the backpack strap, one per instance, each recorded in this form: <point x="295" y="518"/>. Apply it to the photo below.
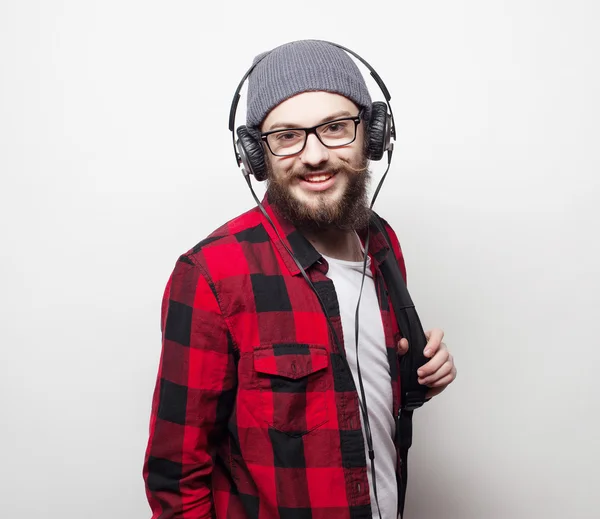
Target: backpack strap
<point x="413" y="394"/>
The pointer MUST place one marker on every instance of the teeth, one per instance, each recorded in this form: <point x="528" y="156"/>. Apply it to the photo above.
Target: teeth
<point x="318" y="178"/>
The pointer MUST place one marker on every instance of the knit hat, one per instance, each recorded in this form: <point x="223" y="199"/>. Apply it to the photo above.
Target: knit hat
<point x="302" y="66"/>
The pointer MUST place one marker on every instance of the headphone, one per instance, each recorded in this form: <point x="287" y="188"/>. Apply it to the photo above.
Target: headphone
<point x="249" y="151"/>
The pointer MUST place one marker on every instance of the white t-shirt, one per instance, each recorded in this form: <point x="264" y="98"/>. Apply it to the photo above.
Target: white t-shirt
<point x="375" y="372"/>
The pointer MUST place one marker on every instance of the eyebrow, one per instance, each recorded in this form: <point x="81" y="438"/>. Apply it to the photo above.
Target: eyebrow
<point x="331" y="117"/>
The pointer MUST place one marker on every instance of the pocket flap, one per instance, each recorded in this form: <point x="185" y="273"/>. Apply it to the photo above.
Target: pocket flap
<point x="290" y="360"/>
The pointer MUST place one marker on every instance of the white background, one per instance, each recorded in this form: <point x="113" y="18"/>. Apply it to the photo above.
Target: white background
<point x="115" y="157"/>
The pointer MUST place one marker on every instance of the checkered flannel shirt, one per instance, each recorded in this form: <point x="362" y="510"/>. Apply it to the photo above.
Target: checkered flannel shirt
<point x="255" y="413"/>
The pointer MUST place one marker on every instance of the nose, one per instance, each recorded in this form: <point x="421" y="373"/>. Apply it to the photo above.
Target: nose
<point x="314" y="153"/>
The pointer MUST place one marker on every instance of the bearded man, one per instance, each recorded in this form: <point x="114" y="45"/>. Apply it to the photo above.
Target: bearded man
<point x="257" y="411"/>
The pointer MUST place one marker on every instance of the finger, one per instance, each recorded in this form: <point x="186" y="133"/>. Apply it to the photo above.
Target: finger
<point x="445" y="381"/>
<point x="402" y="346"/>
<point x="434" y="339"/>
<point x="444" y="370"/>
<point x="435" y="363"/>
<point x="441" y="385"/>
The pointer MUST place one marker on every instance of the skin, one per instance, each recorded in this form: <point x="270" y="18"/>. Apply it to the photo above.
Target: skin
<point x="306" y="110"/>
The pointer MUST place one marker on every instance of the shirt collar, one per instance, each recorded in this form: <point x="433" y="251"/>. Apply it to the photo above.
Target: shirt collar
<point x="306" y="254"/>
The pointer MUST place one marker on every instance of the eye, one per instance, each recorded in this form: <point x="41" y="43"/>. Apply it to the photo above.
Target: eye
<point x="337" y="127"/>
<point x="287" y="136"/>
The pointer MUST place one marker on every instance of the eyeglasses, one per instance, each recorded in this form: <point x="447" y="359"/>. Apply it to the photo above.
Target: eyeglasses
<point x="332" y="134"/>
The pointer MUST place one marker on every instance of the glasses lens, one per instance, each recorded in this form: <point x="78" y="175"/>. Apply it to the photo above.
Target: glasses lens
<point x="286" y="142"/>
<point x="337" y="133"/>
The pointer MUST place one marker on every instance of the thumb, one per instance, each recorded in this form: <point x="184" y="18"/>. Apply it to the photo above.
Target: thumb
<point x="402" y="346"/>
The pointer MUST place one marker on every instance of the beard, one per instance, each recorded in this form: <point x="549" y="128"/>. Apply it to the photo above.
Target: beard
<point x="350" y="213"/>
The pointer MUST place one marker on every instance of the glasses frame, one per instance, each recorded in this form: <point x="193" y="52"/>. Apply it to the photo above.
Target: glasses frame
<point x="313" y="129"/>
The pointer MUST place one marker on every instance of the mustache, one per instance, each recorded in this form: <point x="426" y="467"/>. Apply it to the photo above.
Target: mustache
<point x="341" y="165"/>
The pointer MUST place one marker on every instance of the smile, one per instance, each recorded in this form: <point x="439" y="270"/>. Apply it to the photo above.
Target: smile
<point x="318" y="181"/>
<point x="318" y="178"/>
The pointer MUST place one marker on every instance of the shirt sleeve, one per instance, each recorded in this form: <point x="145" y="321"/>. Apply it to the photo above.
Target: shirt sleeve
<point x="193" y="397"/>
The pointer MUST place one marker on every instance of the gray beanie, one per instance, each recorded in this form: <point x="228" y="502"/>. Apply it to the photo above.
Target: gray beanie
<point x="301" y="66"/>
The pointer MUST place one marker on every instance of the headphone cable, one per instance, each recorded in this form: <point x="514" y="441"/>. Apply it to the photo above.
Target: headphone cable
<point x="363" y="400"/>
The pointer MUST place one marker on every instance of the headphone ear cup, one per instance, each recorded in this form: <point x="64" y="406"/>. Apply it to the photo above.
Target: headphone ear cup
<point x="379" y="130"/>
<point x="252" y="154"/>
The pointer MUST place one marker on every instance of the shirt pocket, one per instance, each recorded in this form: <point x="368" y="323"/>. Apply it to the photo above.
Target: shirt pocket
<point x="294" y="381"/>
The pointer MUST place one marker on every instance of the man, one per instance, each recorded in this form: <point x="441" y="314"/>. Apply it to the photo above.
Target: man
<point x="257" y="411"/>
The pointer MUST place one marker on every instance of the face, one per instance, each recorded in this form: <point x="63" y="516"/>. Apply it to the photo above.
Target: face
<point x="319" y="187"/>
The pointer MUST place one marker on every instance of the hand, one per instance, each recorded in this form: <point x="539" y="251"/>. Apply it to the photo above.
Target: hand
<point x="439" y="371"/>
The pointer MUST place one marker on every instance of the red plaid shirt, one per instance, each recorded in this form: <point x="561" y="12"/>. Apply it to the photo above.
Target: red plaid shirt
<point x="255" y="414"/>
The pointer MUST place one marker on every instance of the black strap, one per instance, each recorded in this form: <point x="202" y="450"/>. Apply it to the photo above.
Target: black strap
<point x="413" y="394"/>
<point x="404" y="440"/>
